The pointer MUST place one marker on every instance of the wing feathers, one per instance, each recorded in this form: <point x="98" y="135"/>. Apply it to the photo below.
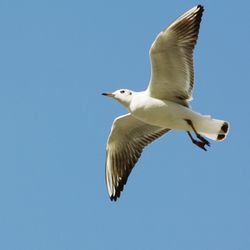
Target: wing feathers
<point x="171" y="55"/>
<point x="126" y="142"/>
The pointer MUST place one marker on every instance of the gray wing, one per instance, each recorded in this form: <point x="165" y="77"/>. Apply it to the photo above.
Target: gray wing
<point x="126" y="141"/>
<point x="171" y="55"/>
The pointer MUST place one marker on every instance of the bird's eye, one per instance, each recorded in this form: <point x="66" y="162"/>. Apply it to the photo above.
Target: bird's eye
<point x="122" y="91"/>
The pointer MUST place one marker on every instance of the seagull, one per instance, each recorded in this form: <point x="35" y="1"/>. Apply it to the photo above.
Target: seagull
<point x="163" y="106"/>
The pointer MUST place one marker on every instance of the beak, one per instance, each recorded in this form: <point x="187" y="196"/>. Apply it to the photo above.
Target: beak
<point x="108" y="94"/>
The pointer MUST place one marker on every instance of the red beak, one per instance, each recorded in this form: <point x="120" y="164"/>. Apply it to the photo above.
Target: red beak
<point x="108" y="94"/>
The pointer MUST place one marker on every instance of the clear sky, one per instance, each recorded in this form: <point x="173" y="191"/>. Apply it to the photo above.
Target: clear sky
<point x="56" y="58"/>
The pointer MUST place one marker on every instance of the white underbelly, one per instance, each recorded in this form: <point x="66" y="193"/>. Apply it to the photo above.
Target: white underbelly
<point x="164" y="114"/>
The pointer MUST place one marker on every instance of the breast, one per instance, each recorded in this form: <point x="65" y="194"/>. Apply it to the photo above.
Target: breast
<point x="151" y="111"/>
<point x="157" y="112"/>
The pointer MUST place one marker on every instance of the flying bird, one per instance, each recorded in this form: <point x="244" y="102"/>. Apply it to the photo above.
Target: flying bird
<point x="163" y="106"/>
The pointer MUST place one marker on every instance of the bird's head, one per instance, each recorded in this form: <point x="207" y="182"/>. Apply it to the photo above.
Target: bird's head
<point x="124" y="96"/>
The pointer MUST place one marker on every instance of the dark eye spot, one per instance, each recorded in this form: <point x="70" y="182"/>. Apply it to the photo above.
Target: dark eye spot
<point x="122" y="91"/>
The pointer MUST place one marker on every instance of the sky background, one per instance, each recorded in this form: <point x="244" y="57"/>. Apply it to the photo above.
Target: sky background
<point x="56" y="58"/>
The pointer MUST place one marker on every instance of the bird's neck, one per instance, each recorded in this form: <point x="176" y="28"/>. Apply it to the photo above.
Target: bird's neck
<point x="137" y="96"/>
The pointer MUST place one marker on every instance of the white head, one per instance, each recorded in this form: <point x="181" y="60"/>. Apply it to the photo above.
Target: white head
<point x="123" y="96"/>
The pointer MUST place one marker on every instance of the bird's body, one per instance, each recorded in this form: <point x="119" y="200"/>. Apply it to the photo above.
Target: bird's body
<point x="168" y="114"/>
<point x="163" y="106"/>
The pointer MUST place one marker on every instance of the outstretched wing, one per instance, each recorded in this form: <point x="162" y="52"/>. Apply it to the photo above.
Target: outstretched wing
<point x="126" y="141"/>
<point x="171" y="55"/>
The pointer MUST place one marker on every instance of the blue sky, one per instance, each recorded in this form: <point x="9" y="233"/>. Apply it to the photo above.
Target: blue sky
<point x="56" y="58"/>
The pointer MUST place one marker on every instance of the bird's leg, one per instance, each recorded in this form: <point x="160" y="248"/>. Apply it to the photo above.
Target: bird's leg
<point x="202" y="141"/>
<point x="196" y="142"/>
<point x="196" y="133"/>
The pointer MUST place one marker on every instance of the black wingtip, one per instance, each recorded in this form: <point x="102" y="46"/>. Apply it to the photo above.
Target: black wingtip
<point x="114" y="198"/>
<point x="201" y="7"/>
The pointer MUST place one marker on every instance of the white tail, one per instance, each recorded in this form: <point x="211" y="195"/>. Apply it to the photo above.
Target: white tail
<point x="213" y="129"/>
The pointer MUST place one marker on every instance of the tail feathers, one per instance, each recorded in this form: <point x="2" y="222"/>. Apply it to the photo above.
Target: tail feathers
<point x="218" y="130"/>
